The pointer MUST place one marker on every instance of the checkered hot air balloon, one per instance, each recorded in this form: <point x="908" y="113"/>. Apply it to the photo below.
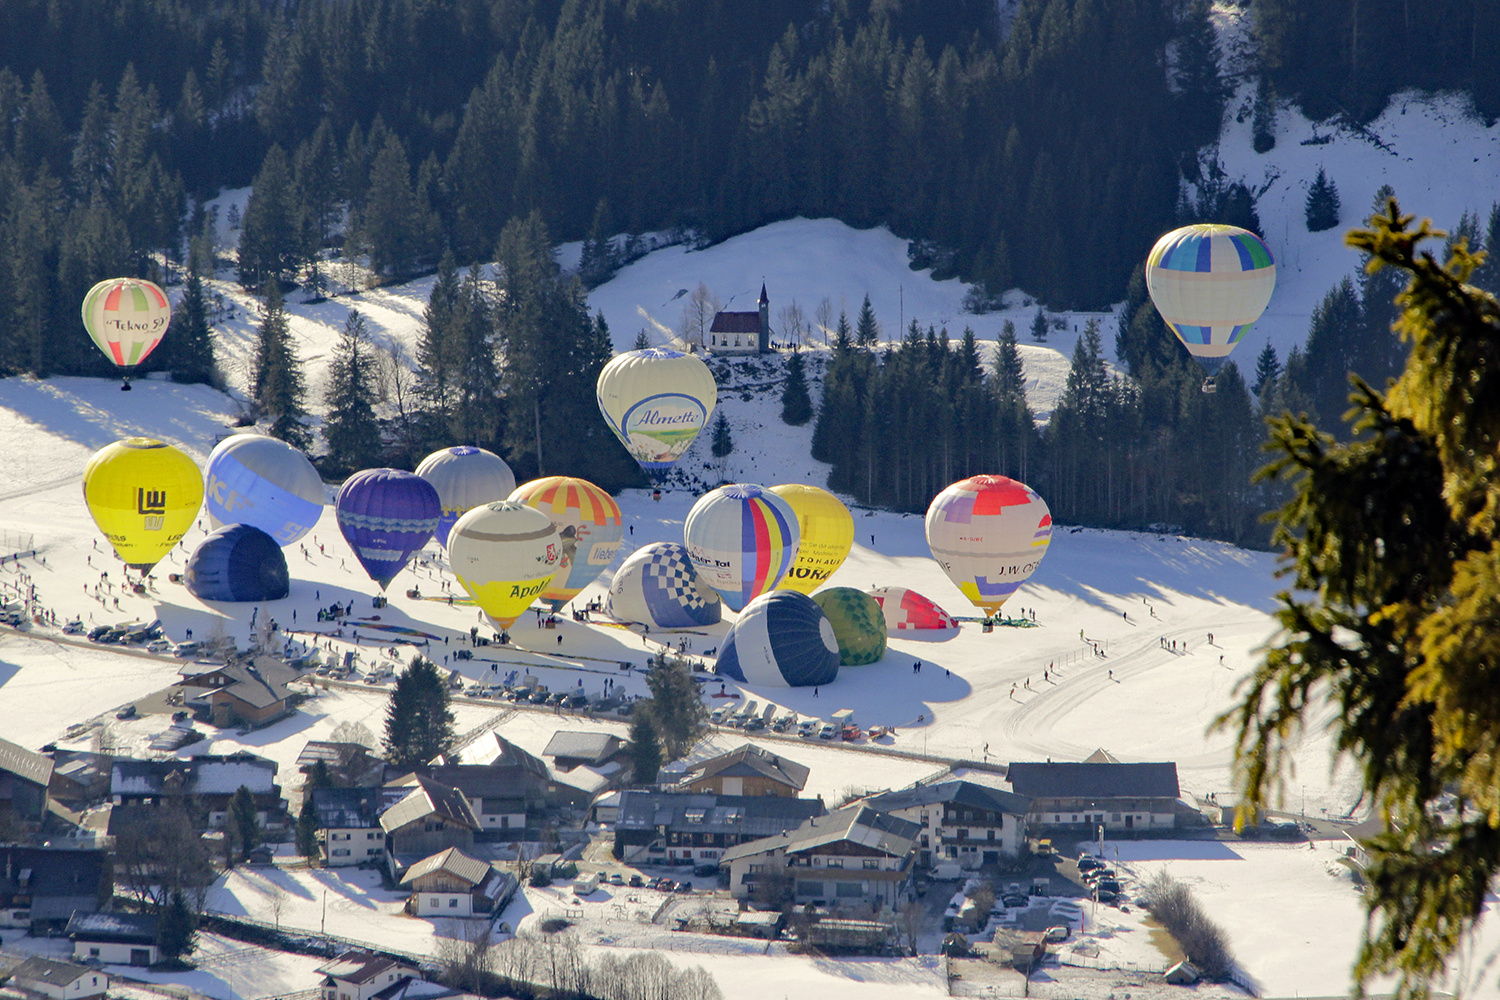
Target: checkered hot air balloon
<point x="1210" y="283"/>
<point x="742" y="540"/>
<point x="126" y="317"/>
<point x="988" y="533"/>
<point x="657" y="586"/>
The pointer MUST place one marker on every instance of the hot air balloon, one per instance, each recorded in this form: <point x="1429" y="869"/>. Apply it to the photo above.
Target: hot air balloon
<point x="127" y="317"/>
<point x="504" y="553"/>
<point x="588" y="526"/>
<point x="656" y="401"/>
<point x="742" y="539"/>
<point x="908" y="611"/>
<point x="265" y="483"/>
<point x="143" y="495"/>
<point x="858" y="624"/>
<point x="781" y="639"/>
<point x="237" y="563"/>
<point x="988" y="533"/>
<point x="464" y="478"/>
<point x="826" y="529"/>
<point x="1210" y="283"/>
<point x="658" y="587"/>
<point x="386" y="516"/>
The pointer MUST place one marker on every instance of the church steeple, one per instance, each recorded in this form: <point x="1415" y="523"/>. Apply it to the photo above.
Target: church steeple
<point x="765" y="320"/>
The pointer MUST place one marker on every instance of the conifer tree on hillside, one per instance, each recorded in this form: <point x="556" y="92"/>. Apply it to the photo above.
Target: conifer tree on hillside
<point x="645" y="749"/>
<point x="277" y="390"/>
<point x="476" y="386"/>
<point x="1263" y="116"/>
<point x="190" y="338"/>
<point x="1322" y="207"/>
<point x="641" y="340"/>
<point x="1039" y="326"/>
<point x="439" y="363"/>
<point x="796" y="403"/>
<point x="397" y="226"/>
<point x="1390" y="546"/>
<point x="271" y="242"/>
<point x="1202" y="91"/>
<point x="418" y="721"/>
<point x="723" y="443"/>
<point x="1267" y="370"/>
<point x="1338" y="327"/>
<point x="1487" y="274"/>
<point x="866" y="329"/>
<point x="351" y="430"/>
<point x="675" y="707"/>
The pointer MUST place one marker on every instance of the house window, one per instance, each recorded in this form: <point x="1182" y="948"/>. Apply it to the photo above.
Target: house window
<point x="835" y="862"/>
<point x="1117" y="817"/>
<point x="93" y="953"/>
<point x="341" y="852"/>
<point x="963" y="833"/>
<point x="370" y="835"/>
<point x="847" y="889"/>
<point x="872" y="863"/>
<point x="453" y="903"/>
<point x="991" y="834"/>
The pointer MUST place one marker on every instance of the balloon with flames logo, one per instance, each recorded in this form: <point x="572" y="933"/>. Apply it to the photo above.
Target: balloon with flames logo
<point x="386" y="516"/>
<point x="266" y="483"/>
<point x="742" y="539"/>
<point x="465" y="477"/>
<point x="504" y="554"/>
<point x="126" y="317"/>
<point x="143" y="494"/>
<point x="656" y="401"/>
<point x="588" y="527"/>
<point x="826" y="529"/>
<point x="988" y="533"/>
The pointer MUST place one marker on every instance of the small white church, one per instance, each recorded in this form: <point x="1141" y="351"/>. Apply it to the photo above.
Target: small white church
<point x="742" y="332"/>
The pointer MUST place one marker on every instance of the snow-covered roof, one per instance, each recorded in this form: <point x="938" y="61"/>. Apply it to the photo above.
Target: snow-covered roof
<point x="577" y="745"/>
<point x="24" y="763"/>
<point x="454" y="862"/>
<point x="429" y="798"/>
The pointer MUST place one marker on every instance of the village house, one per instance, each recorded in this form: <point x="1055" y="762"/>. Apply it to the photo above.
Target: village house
<point x="347" y="763"/>
<point x="1099" y="792"/>
<point x="240" y="694"/>
<point x="209" y="781"/>
<point x="570" y="748"/>
<point x="24" y="777"/>
<point x="498" y="795"/>
<point x="58" y="980"/>
<point x="42" y="887"/>
<point x="114" y="938"/>
<point x="348" y="823"/>
<point x="683" y="828"/>
<point x="361" y="975"/>
<point x="79" y="778"/>
<point x="742" y="332"/>
<point x="432" y="817"/>
<point x="746" y="770"/>
<point x="854" y="858"/>
<point x="454" y="884"/>
<point x="960" y="821"/>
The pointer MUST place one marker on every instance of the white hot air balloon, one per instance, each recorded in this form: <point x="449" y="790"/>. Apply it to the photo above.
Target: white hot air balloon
<point x="656" y="401"/>
<point x="464" y="478"/>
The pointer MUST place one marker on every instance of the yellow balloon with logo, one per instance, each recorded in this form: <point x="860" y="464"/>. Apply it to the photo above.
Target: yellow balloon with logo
<point x="504" y="553"/>
<point x="827" y="535"/>
<point x="143" y="495"/>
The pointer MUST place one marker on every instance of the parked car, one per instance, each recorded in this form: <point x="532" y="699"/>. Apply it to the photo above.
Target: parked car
<point x="615" y="878"/>
<point x="683" y="887"/>
<point x="706" y="869"/>
<point x="717" y="715"/>
<point x="97" y="632"/>
<point x="1107" y="885"/>
<point x="1094" y="874"/>
<point x="827" y="732"/>
<point x="158" y="645"/>
<point x="74" y="627"/>
<point x="557" y="698"/>
<point x="576" y="701"/>
<point x="538" y="698"/>
<point x="635" y="881"/>
<point x="113" y="637"/>
<point x="1015" y="902"/>
<point x="1107" y="896"/>
<point x="187" y="648"/>
<point x="128" y="712"/>
<point x="755" y="725"/>
<point x="1087" y="862"/>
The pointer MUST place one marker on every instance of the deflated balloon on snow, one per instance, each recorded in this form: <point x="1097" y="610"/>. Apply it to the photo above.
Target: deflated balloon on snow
<point x="988" y="533"/>
<point x="825" y="532"/>
<point x="857" y="623"/>
<point x="504" y="554"/>
<point x="908" y="611"/>
<point x="464" y="478"/>
<point x="386" y="516"/>
<point x="781" y="639"/>
<point x="742" y="539"/>
<point x="656" y="401"/>
<point x="588" y="525"/>
<point x="237" y="563"/>
<point x="266" y="483"/>
<point x="657" y="586"/>
<point x="143" y="494"/>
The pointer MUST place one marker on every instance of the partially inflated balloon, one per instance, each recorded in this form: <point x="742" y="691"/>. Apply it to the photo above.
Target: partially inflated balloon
<point x="908" y="611"/>
<point x="656" y="401"/>
<point x="742" y="539"/>
<point x="781" y="639"/>
<point x="504" y="554"/>
<point x="265" y="483"/>
<point x="588" y="528"/>
<point x="657" y="586"/>
<point x="126" y="317"/>
<point x="143" y="495"/>
<point x="857" y="624"/>
<point x="237" y="563"/>
<point x="1210" y="283"/>
<point x="386" y="516"/>
<point x="826" y="529"/>
<point x="988" y="533"/>
<point x="464" y="478"/>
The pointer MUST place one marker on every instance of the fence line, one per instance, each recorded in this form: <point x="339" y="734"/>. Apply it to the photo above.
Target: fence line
<point x="1109" y="965"/>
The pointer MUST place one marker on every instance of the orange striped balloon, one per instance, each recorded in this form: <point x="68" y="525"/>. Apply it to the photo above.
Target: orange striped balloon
<point x="589" y="523"/>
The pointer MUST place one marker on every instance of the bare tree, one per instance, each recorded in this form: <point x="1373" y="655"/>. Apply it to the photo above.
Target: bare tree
<point x="396" y="383"/>
<point x="697" y="316"/>
<point x="162" y="852"/>
<point x="793" y="323"/>
<point x="468" y="961"/>
<point x="826" y="320"/>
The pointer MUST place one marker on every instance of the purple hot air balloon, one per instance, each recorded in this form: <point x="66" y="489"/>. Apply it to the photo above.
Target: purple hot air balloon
<point x="386" y="516"/>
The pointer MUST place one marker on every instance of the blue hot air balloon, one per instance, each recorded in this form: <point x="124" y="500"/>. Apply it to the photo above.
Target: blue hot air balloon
<point x="464" y="478"/>
<point x="657" y="586"/>
<point x="386" y="516"/>
<point x="782" y="639"/>
<point x="237" y="563"/>
<point x="265" y="483"/>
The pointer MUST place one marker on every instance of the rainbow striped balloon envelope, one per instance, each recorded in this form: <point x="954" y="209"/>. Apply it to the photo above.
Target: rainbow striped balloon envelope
<point x="1210" y="283"/>
<point x="127" y="317"/>
<point x="989" y="534"/>
<point x="742" y="540"/>
<point x="589" y="530"/>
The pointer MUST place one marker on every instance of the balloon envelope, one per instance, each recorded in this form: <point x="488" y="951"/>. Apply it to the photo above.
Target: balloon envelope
<point x="126" y="317"/>
<point x="143" y="494"/>
<point x="265" y="483"/>
<point x="588" y="526"/>
<point x="464" y="478"/>
<point x="237" y="563"/>
<point x="906" y="610"/>
<point x="858" y="624"/>
<point x="656" y="401"/>
<point x="504" y="553"/>
<point x="1210" y="283"/>
<point x="657" y="586"/>
<point x="988" y="533"/>
<point x="386" y="516"/>
<point x="742" y="539"/>
<point x="781" y="639"/>
<point x="826" y="532"/>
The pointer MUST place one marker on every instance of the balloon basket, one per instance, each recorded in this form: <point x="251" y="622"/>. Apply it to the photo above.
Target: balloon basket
<point x="1208" y="385"/>
<point x="125" y="386"/>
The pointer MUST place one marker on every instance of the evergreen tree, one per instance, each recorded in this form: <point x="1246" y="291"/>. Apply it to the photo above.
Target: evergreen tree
<point x="315" y="173"/>
<point x="438" y="359"/>
<point x="723" y="444"/>
<point x="1039" y="326"/>
<point x="1487" y="274"/>
<point x="190" y="339"/>
<point x="1203" y="91"/>
<point x="244" y="825"/>
<point x="866" y="329"/>
<point x="1333" y="342"/>
<point x="1387" y="627"/>
<point x="271" y="240"/>
<point x="276" y="386"/>
<point x="350" y="429"/>
<point x="1263" y="116"/>
<point x="796" y="403"/>
<point x="176" y="928"/>
<point x="397" y="226"/>
<point x="476" y="398"/>
<point x="645" y="749"/>
<point x="418" y="721"/>
<point x="641" y="340"/>
<point x="675" y="707"/>
<point x="307" y="826"/>
<point x="1267" y="370"/>
<point x="1322" y="207"/>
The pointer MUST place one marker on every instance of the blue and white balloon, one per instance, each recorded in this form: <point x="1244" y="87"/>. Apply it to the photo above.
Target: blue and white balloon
<point x="265" y="483"/>
<point x="657" y="586"/>
<point x="782" y="639"/>
<point x="465" y="477"/>
<point x="237" y="563"/>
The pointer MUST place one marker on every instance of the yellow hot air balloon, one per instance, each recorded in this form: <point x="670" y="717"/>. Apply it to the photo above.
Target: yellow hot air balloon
<point x="504" y="553"/>
<point x="144" y="495"/>
<point x="588" y="527"/>
<point x="827" y="535"/>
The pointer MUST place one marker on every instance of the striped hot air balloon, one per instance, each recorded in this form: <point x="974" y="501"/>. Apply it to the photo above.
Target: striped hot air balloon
<point x="126" y="317"/>
<point x="781" y="639"/>
<point x="988" y="533"/>
<point x="742" y="540"/>
<point x="386" y="516"/>
<point x="588" y="526"/>
<point x="1210" y="283"/>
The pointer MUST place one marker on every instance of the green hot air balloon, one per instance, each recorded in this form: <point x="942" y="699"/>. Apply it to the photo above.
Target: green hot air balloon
<point x="858" y="624"/>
